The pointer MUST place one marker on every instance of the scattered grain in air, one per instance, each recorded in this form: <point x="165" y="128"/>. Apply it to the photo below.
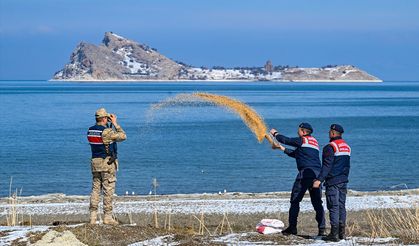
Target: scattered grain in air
<point x="249" y="116"/>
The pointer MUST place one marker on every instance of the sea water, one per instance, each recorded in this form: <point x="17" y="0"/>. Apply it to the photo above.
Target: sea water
<point x="197" y="149"/>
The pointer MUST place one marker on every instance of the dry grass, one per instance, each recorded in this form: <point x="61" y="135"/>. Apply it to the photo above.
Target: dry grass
<point x="12" y="216"/>
<point x="200" y="229"/>
<point x="401" y="223"/>
<point x="113" y="235"/>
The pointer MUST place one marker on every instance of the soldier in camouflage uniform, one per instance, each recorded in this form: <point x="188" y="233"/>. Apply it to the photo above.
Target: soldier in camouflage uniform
<point x="104" y="163"/>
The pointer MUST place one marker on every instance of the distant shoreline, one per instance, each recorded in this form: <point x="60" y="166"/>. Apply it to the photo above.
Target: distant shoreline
<point x="218" y="81"/>
<point x="51" y="197"/>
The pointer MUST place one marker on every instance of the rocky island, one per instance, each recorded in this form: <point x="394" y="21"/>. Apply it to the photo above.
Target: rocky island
<point x="121" y="59"/>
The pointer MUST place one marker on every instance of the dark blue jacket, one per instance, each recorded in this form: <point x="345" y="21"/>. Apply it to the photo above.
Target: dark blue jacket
<point x="306" y="155"/>
<point x="336" y="162"/>
<point x="94" y="136"/>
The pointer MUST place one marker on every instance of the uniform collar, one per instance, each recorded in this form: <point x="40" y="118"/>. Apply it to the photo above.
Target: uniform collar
<point x="335" y="138"/>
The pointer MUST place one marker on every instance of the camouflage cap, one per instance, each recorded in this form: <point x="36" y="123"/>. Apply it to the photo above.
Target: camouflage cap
<point x="101" y="113"/>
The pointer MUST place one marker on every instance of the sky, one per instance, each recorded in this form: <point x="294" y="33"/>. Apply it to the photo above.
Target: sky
<point x="379" y="36"/>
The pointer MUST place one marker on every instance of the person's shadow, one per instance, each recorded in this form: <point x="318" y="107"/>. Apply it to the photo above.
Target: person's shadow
<point x="306" y="236"/>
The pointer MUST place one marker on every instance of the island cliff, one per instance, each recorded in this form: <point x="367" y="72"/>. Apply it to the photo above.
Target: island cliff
<point x="121" y="59"/>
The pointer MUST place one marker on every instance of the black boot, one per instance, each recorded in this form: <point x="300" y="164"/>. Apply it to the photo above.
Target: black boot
<point x="342" y="231"/>
<point x="322" y="232"/>
<point x="290" y="230"/>
<point x="333" y="236"/>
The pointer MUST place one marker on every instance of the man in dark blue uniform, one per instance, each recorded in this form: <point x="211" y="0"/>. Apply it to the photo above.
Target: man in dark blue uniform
<point x="334" y="173"/>
<point x="306" y="154"/>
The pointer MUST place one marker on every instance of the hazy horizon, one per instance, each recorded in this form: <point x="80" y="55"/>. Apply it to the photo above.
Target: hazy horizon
<point x="380" y="37"/>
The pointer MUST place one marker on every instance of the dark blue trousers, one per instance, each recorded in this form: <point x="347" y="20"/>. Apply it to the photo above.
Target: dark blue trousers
<point x="336" y="200"/>
<point x="298" y="190"/>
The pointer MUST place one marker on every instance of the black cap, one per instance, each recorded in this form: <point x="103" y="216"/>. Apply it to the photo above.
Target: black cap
<point x="337" y="128"/>
<point x="306" y="126"/>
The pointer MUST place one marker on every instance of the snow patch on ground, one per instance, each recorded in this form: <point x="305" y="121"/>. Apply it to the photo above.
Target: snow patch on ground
<point x="214" y="206"/>
<point x="52" y="238"/>
<point x="230" y="74"/>
<point x="354" y="241"/>
<point x="135" y="67"/>
<point x="235" y="239"/>
<point x="117" y="36"/>
<point x="240" y="239"/>
<point x="18" y="232"/>
<point x="158" y="241"/>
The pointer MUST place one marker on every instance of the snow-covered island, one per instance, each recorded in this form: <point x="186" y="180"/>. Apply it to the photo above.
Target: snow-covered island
<point x="121" y="59"/>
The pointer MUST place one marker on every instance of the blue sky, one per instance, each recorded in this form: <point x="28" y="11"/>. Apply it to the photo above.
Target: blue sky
<point x="379" y="36"/>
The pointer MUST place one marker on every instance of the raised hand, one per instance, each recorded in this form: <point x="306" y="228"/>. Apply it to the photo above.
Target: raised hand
<point x="273" y="131"/>
<point x="113" y="117"/>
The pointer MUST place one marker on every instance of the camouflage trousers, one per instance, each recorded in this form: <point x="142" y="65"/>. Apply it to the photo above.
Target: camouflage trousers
<point x="104" y="179"/>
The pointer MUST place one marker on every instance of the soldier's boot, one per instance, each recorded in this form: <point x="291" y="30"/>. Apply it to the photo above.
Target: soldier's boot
<point x="291" y="230"/>
<point x="93" y="217"/>
<point x="334" y="234"/>
<point x="109" y="220"/>
<point x="322" y="232"/>
<point x="342" y="232"/>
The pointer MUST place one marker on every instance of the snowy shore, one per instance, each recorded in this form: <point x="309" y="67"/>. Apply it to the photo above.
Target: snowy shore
<point x="232" y="203"/>
<point x="244" y="211"/>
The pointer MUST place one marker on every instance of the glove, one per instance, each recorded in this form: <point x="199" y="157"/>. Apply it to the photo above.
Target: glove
<point x="273" y="132"/>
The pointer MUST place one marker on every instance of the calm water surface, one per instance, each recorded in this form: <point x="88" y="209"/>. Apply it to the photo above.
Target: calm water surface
<point x="202" y="149"/>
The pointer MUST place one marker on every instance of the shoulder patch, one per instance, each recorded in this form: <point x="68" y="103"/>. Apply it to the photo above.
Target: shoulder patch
<point x="341" y="148"/>
<point x="310" y="142"/>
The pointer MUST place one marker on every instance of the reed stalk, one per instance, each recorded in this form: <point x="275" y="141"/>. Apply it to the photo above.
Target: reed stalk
<point x="396" y="222"/>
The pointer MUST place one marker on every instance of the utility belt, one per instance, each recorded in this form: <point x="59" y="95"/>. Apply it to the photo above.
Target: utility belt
<point x="100" y="164"/>
<point x="111" y="154"/>
<point x="111" y="160"/>
<point x="336" y="180"/>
